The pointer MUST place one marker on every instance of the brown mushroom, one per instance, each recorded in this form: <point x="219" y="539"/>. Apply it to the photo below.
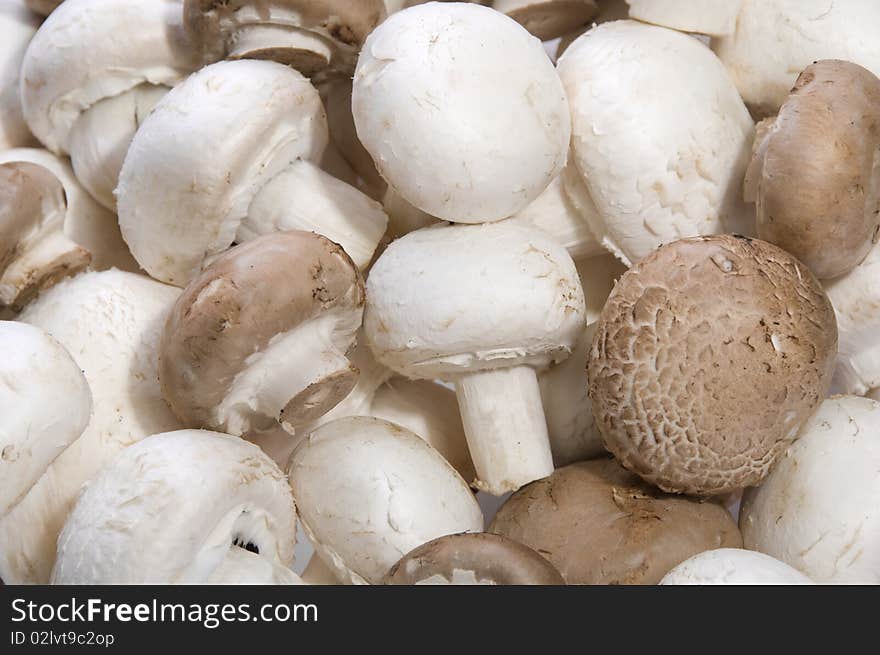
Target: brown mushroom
<point x="260" y="336"/>
<point x="548" y="19"/>
<point x="473" y="558"/>
<point x="708" y="357"/>
<point x="816" y="169"/>
<point x="599" y="524"/>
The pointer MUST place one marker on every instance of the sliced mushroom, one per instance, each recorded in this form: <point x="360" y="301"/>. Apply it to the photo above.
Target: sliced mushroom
<point x="260" y="337"/>
<point x="141" y="520"/>
<point x="85" y="88"/>
<point x="713" y="17"/>
<point x="482" y="306"/>
<point x="18" y="26"/>
<point x="819" y="509"/>
<point x="424" y="78"/>
<point x="599" y="524"/>
<point x="734" y="566"/>
<point x="548" y="19"/>
<point x="368" y="492"/>
<point x="478" y="558"/>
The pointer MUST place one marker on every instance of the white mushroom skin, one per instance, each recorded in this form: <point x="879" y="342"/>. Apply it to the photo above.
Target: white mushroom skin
<point x="662" y="154"/>
<point x="45" y="404"/>
<point x="110" y="323"/>
<point x="142" y="520"/>
<point x="713" y="17"/>
<point x="17" y="25"/>
<point x="368" y="492"/>
<point x="774" y="41"/>
<point x="819" y="509"/>
<point x="734" y="566"/>
<point x="481" y="306"/>
<point x="439" y="91"/>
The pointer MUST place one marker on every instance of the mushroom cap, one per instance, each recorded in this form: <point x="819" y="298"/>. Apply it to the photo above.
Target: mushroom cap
<point x="819" y="509"/>
<point x="171" y="507"/>
<point x="715" y="17"/>
<point x="819" y="188"/>
<point x="88" y="50"/>
<point x="439" y="90"/>
<point x="110" y="323"/>
<point x="774" y="41"/>
<point x="369" y="491"/>
<point x="248" y="299"/>
<point x="45" y="404"/>
<point x="734" y="566"/>
<point x="473" y="558"/>
<point x="548" y="19"/>
<point x="17" y="25"/>
<point x="708" y="357"/>
<point x="599" y="524"/>
<point x="199" y="158"/>
<point x="459" y="298"/>
<point x="655" y="177"/>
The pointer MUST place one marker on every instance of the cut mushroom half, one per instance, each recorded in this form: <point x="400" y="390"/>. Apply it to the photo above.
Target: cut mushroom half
<point x="236" y="526"/>
<point x="18" y="26"/>
<point x="260" y="337"/>
<point x="85" y="89"/>
<point x="480" y="558"/>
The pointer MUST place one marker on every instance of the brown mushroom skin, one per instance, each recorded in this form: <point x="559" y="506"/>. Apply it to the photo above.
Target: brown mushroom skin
<point x="819" y="188"/>
<point x="708" y="356"/>
<point x="600" y="524"/>
<point x="491" y="558"/>
<point x="247" y="296"/>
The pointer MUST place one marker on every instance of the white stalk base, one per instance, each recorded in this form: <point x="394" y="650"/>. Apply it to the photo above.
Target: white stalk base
<point x="504" y="424"/>
<point x="241" y="567"/>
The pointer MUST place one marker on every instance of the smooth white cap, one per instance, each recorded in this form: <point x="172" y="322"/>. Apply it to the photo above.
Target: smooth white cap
<point x="17" y="25"/>
<point x="733" y="566"/>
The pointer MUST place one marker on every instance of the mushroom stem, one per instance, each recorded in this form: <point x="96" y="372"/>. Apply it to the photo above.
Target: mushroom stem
<point x="305" y="50"/>
<point x="505" y="427"/>
<point x="302" y="368"/>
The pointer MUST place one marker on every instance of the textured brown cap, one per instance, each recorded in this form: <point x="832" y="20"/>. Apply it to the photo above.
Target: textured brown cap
<point x="599" y="524"/>
<point x="708" y="357"/>
<point x="818" y="187"/>
<point x="490" y="558"/>
<point x="234" y="308"/>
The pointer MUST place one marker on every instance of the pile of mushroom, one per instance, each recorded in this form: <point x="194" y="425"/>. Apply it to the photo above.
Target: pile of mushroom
<point x="511" y="292"/>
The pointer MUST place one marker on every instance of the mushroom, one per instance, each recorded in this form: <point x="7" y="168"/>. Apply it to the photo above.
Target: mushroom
<point x="473" y="559"/>
<point x="599" y="524"/>
<point x="312" y="36"/>
<point x="434" y="72"/>
<point x="403" y="218"/>
<point x="318" y="573"/>
<point x="45" y="404"/>
<point x="17" y="25"/>
<point x="734" y="566"/>
<point x="187" y="191"/>
<point x="260" y="336"/>
<point x="709" y="356"/>
<point x="142" y="520"/>
<point x="713" y="17"/>
<point x="52" y="226"/>
<point x="43" y="7"/>
<point x="816" y="169"/>
<point x="774" y="41"/>
<point x="85" y="88"/>
<point x="819" y="509"/>
<point x="517" y="306"/>
<point x="548" y="19"/>
<point x="662" y="154"/>
<point x="110" y="323"/>
<point x="368" y="492"/>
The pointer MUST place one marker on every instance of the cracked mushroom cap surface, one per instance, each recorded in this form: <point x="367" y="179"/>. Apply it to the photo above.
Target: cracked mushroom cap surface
<point x="240" y="319"/>
<point x="818" y="194"/>
<point x="479" y="558"/>
<point x="709" y="356"/>
<point x="598" y="523"/>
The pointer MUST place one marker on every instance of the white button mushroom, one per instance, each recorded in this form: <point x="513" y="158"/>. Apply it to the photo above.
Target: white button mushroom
<point x="17" y="25"/>
<point x="45" y="404"/>
<point x="819" y="509"/>
<point x="662" y="153"/>
<point x="368" y="492"/>
<point x="714" y="17"/>
<point x="183" y="507"/>
<point x="734" y="566"/>
<point x="774" y="41"/>
<point x="187" y="189"/>
<point x="482" y="306"/>
<point x="110" y="323"/>
<point x="461" y="110"/>
<point x="87" y="78"/>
